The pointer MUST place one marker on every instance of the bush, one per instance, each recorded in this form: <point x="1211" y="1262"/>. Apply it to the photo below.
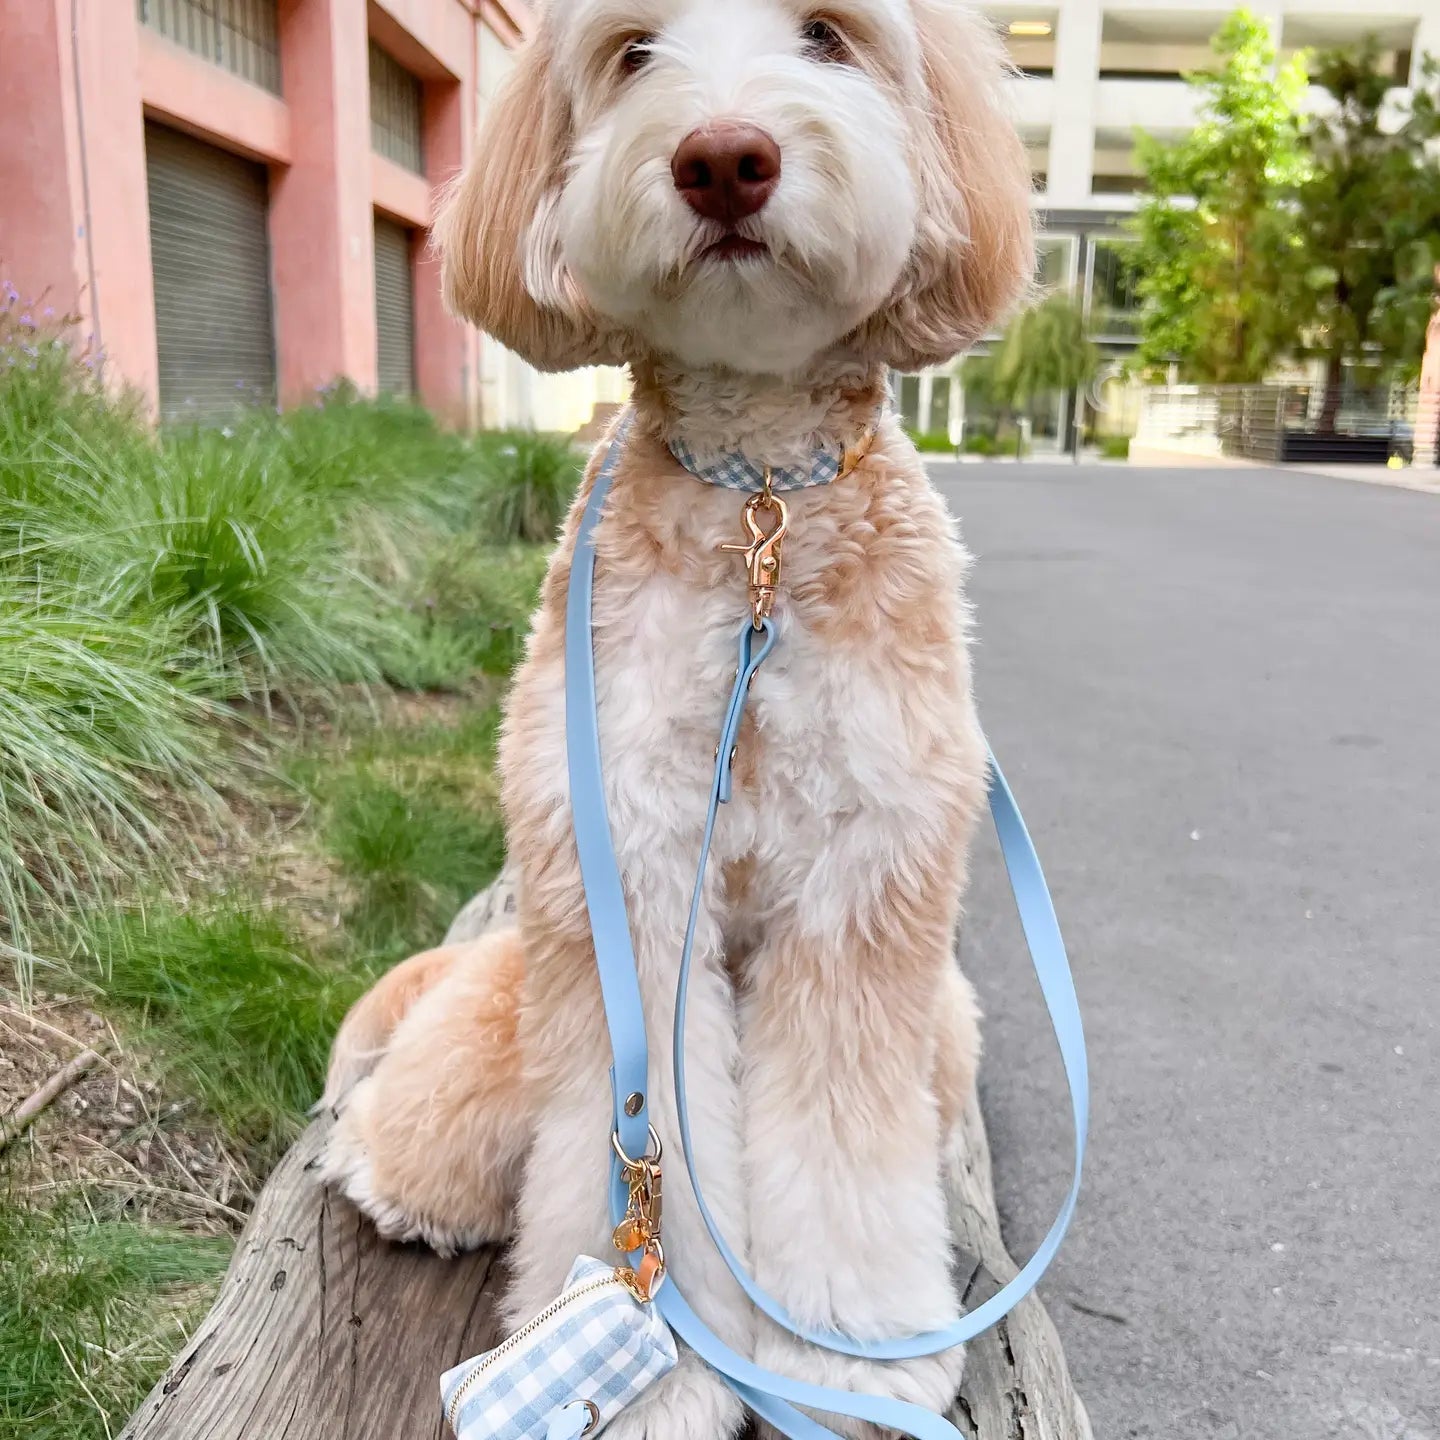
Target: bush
<point x="146" y="579"/>
<point x="932" y="442"/>
<point x="1115" y="447"/>
<point x="529" y="481"/>
<point x="980" y="444"/>
<point x="470" y="612"/>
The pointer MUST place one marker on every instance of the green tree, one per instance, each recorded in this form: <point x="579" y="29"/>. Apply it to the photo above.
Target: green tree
<point x="1045" y="348"/>
<point x="1370" y="217"/>
<point x="1220" y="266"/>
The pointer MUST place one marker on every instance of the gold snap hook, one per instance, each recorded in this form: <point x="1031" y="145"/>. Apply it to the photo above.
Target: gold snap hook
<point x="762" y="551"/>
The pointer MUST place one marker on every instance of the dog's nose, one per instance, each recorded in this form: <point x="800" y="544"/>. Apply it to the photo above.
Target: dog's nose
<point x="727" y="171"/>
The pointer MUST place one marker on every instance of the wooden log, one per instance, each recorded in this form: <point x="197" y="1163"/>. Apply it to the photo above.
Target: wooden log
<point x="323" y="1331"/>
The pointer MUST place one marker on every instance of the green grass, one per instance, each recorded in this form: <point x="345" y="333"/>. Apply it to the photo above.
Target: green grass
<point x="91" y="1311"/>
<point x="195" y="624"/>
<point x="469" y="613"/>
<point x="147" y="580"/>
<point x="228" y="1004"/>
<point x="414" y="850"/>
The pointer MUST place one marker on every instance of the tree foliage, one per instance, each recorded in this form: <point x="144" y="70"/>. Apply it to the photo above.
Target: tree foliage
<point x="1369" y="212"/>
<point x="1046" y="348"/>
<point x="1220" y="264"/>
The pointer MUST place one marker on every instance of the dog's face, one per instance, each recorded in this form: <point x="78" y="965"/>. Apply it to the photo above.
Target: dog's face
<point x="743" y="185"/>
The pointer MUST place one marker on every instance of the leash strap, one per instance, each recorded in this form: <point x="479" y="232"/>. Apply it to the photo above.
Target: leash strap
<point x="773" y="1397"/>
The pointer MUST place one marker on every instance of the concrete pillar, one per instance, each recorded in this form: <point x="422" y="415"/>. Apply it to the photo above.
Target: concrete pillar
<point x="446" y="351"/>
<point x="79" y="241"/>
<point x="1072" y="133"/>
<point x="321" y="221"/>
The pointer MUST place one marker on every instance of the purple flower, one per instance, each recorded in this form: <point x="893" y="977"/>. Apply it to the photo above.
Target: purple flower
<point x="49" y="312"/>
<point x="28" y="319"/>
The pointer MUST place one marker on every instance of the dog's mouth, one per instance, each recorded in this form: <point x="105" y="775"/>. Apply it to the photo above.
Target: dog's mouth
<point x="735" y="249"/>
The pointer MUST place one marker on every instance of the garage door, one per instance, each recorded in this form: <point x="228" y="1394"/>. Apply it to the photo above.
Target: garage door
<point x="210" y="248"/>
<point x="394" y="309"/>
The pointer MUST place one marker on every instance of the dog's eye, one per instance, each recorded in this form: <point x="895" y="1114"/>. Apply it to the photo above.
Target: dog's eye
<point x="637" y="54"/>
<point x="825" y="43"/>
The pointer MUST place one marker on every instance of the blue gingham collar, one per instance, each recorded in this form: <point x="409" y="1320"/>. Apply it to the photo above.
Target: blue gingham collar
<point x="734" y="470"/>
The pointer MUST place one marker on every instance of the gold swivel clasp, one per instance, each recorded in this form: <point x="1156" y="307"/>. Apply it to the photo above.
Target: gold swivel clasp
<point x="762" y="550"/>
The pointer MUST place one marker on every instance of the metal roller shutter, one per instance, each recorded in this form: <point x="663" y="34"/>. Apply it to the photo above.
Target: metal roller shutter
<point x="210" y="248"/>
<point x="394" y="309"/>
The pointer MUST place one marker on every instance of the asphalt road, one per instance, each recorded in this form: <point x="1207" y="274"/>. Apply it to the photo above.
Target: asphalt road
<point x="1218" y="698"/>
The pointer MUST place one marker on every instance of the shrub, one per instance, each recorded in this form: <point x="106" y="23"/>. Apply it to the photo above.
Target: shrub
<point x="529" y="482"/>
<point x="146" y="580"/>
<point x="470" y="612"/>
<point x="932" y="442"/>
<point x="980" y="444"/>
<point x="1115" y="447"/>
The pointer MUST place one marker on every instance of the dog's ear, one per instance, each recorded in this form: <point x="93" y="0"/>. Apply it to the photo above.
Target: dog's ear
<point x="974" y="254"/>
<point x="496" y="233"/>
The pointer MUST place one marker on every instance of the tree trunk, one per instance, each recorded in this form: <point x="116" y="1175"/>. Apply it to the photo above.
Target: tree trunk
<point x="323" y="1331"/>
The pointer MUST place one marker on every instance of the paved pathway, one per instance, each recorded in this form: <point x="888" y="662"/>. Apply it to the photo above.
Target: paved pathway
<point x="1218" y="697"/>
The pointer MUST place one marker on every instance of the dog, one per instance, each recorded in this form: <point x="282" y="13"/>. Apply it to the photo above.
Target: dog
<point x="760" y="208"/>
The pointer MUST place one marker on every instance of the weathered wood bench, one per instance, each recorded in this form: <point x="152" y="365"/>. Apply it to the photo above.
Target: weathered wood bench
<point x="323" y="1331"/>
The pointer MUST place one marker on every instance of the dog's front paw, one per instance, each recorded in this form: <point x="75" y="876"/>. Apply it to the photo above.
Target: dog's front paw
<point x="407" y="1198"/>
<point x="932" y="1381"/>
<point x="691" y="1403"/>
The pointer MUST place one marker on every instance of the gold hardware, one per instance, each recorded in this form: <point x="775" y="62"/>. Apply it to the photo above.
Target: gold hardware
<point x="762" y="551"/>
<point x="656" y="1150"/>
<point x="594" y="1410"/>
<point x="639" y="1228"/>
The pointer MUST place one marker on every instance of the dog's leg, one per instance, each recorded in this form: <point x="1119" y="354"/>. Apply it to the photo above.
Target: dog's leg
<point x="563" y="1203"/>
<point x="848" y="1216"/>
<point x="432" y="1120"/>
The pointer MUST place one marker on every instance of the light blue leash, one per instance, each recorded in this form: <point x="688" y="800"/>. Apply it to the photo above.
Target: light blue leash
<point x="771" y="1396"/>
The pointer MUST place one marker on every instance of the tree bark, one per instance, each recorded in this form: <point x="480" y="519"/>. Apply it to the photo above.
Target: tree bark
<point x="323" y="1331"/>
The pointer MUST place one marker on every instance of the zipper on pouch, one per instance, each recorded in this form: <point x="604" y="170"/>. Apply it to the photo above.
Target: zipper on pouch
<point x="457" y="1400"/>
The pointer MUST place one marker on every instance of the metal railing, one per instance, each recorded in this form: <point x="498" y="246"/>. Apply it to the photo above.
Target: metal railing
<point x="1281" y="423"/>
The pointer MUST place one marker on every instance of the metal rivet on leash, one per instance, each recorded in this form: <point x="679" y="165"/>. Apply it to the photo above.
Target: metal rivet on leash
<point x="634" y="1104"/>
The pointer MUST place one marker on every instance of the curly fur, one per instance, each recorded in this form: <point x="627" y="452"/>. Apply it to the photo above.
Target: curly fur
<point x="833" y="1040"/>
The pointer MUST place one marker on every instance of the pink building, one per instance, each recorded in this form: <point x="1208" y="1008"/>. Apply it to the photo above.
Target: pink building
<point x="233" y="195"/>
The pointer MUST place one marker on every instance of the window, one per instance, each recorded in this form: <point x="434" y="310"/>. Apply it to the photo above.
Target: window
<point x="241" y="36"/>
<point x="1113" y="303"/>
<point x="395" y="107"/>
<point x="1055" y="262"/>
